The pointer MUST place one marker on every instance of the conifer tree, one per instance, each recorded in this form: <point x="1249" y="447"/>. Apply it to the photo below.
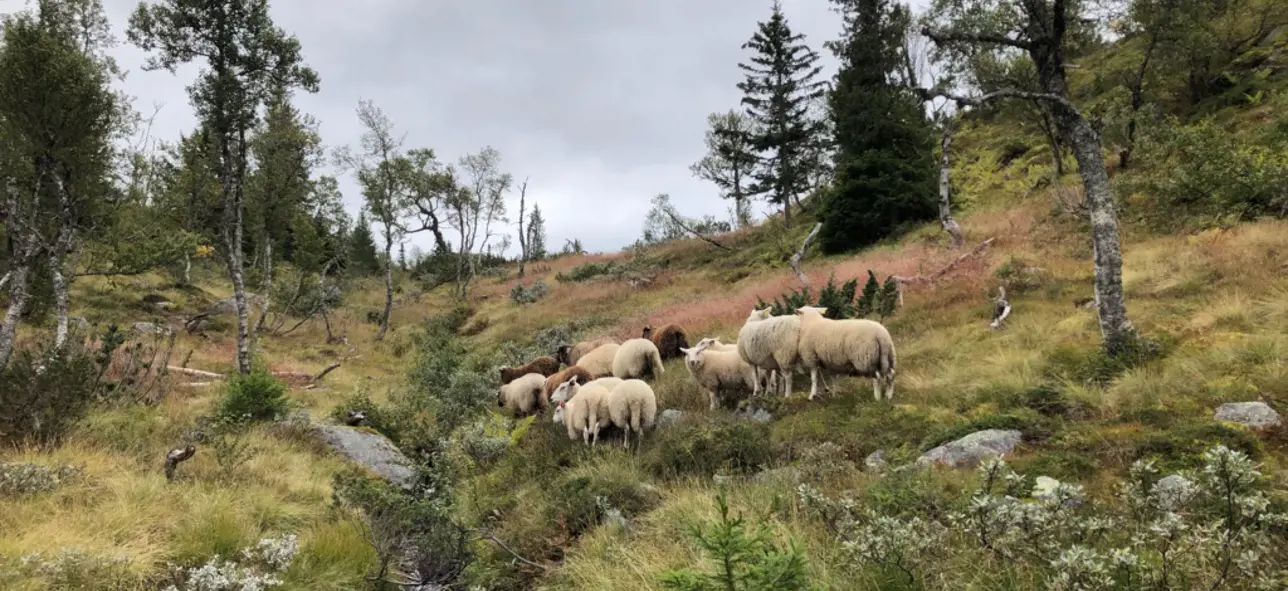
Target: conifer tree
<point x="869" y="299"/>
<point x="778" y="91"/>
<point x="536" y="234"/>
<point x="885" y="168"/>
<point x="364" y="258"/>
<point x="730" y="160"/>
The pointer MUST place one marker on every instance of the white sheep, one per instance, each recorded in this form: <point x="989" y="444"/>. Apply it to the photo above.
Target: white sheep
<point x="522" y="395"/>
<point x="637" y="358"/>
<point x="718" y="370"/>
<point x="853" y="347"/>
<point x="715" y="344"/>
<point x="632" y="406"/>
<point x="769" y="342"/>
<point x="563" y="392"/>
<point x="599" y="362"/>
<point x="585" y="411"/>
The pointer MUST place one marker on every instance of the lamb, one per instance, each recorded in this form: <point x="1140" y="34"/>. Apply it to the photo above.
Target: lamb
<point x="569" y="354"/>
<point x="769" y="342"/>
<point x="584" y="411"/>
<point x="568" y="373"/>
<point x="854" y="347"/>
<point x="545" y="365"/>
<point x="668" y="338"/>
<point x="637" y="358"/>
<point x="632" y="406"/>
<point x="719" y="370"/>
<point x="599" y="363"/>
<point x="522" y="395"/>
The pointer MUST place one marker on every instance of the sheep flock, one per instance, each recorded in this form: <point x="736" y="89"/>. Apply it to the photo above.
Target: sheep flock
<point x="602" y="383"/>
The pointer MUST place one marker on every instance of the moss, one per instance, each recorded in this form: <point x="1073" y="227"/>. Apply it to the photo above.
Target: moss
<point x="704" y="447"/>
<point x="1182" y="446"/>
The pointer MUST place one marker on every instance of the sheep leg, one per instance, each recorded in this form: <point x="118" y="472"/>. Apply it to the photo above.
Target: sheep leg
<point x="813" y="382"/>
<point x="755" y="391"/>
<point x="713" y="395"/>
<point x="626" y="437"/>
<point x="889" y="383"/>
<point x="876" y="387"/>
<point x="787" y="385"/>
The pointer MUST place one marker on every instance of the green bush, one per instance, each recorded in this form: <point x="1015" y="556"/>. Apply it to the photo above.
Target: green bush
<point x="43" y="393"/>
<point x="705" y="447"/>
<point x="591" y="270"/>
<point x="584" y="497"/>
<point x="528" y="294"/>
<point x="257" y="396"/>
<point x="839" y="300"/>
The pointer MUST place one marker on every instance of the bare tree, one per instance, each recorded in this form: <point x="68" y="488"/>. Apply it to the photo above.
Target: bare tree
<point x="946" y="220"/>
<point x="475" y="207"/>
<point x="523" y="236"/>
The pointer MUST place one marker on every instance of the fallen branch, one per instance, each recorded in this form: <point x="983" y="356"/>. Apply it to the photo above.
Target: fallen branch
<point x="195" y="372"/>
<point x="937" y="275"/>
<point x="800" y="254"/>
<point x="176" y="456"/>
<point x="679" y="222"/>
<point x="329" y="369"/>
<point x="196" y="384"/>
<point x="1001" y="310"/>
<point x="489" y="537"/>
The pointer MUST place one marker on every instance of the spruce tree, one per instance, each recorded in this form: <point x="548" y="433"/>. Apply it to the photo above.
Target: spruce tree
<point x="885" y="167"/>
<point x="868" y="300"/>
<point x="536" y="234"/>
<point x="363" y="255"/>
<point x="778" y="91"/>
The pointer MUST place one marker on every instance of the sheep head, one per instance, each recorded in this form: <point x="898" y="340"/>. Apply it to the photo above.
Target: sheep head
<point x="807" y="310"/>
<point x="758" y="314"/>
<point x="561" y="354"/>
<point x="565" y="391"/>
<point x="648" y="332"/>
<point x="558" y="415"/>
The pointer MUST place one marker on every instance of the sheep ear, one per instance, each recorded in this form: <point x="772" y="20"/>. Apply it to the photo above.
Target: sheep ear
<point x="821" y="310"/>
<point x="684" y="350"/>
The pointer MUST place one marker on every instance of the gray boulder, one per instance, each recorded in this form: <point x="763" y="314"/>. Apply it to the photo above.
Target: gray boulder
<point x="756" y="415"/>
<point x="370" y="450"/>
<point x="669" y="416"/>
<point x="972" y="449"/>
<point x="149" y="328"/>
<point x="1254" y="415"/>
<point x="876" y="461"/>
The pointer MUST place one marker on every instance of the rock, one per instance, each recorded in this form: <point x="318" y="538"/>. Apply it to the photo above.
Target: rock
<point x="669" y="416"/>
<point x="758" y="415"/>
<point x="876" y="461"/>
<point x="614" y="517"/>
<point x="719" y="479"/>
<point x="785" y="474"/>
<point x="78" y="322"/>
<point x="1254" y="415"/>
<point x="149" y="328"/>
<point x="370" y="450"/>
<point x="228" y="306"/>
<point x="1174" y="491"/>
<point x="972" y="449"/>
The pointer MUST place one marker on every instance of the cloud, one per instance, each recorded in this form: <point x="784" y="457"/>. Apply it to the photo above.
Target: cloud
<point x="601" y="104"/>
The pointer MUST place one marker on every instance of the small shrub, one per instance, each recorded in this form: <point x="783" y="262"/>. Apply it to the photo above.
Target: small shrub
<point x="1010" y="151"/>
<point x="705" y="448"/>
<point x="1181" y="447"/>
<point x="585" y="497"/>
<point x="229" y="439"/>
<point x="591" y="270"/>
<point x="522" y="295"/>
<point x="257" y="395"/>
<point x="374" y="316"/>
<point x="258" y="568"/>
<point x="18" y="479"/>
<point x="73" y="568"/>
<point x="44" y="392"/>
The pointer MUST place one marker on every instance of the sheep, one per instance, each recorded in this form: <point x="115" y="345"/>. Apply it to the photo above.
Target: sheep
<point x="668" y="338"/>
<point x="545" y="365"/>
<point x="599" y="363"/>
<point x="637" y="358"/>
<point x="584" y="411"/>
<point x="854" y="347"/>
<point x="569" y="354"/>
<point x="769" y="342"/>
<point x="566" y="374"/>
<point x="632" y="406"/>
<point x="522" y="395"/>
<point x="715" y="344"/>
<point x="564" y="391"/>
<point x="718" y="370"/>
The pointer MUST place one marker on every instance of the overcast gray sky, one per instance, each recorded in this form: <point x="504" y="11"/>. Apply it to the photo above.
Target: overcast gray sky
<point x="602" y="103"/>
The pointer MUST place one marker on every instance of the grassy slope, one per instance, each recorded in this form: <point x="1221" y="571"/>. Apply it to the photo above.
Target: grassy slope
<point x="1217" y="300"/>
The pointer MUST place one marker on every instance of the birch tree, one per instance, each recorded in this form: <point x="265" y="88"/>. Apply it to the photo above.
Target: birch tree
<point x="246" y="56"/>
<point x="475" y="208"/>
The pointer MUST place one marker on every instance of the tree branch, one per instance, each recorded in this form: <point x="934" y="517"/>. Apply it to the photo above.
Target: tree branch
<point x="974" y="101"/>
<point x="937" y="275"/>
<point x="329" y="369"/>
<point x="489" y="537"/>
<point x="800" y="254"/>
<point x="1001" y="310"/>
<point x="675" y="218"/>
<point x="945" y="37"/>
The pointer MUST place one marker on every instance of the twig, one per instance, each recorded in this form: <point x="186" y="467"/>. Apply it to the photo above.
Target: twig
<point x="1001" y="310"/>
<point x="800" y="254"/>
<point x="328" y="370"/>
<point x="681" y="224"/>
<point x="489" y="537"/>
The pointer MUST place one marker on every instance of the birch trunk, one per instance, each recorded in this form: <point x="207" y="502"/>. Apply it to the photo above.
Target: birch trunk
<point x="187" y="269"/>
<point x="18" y="294"/>
<point x="268" y="288"/>
<point x="389" y="287"/>
<point x="945" y="204"/>
<point x="233" y="238"/>
<point x="60" y="299"/>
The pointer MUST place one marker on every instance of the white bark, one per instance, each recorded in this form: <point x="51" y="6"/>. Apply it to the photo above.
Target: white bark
<point x="389" y="284"/>
<point x="187" y="269"/>
<point x="945" y="204"/>
<point x="60" y="300"/>
<point x="18" y="294"/>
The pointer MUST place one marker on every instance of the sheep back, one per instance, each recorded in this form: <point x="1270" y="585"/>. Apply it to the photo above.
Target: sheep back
<point x="522" y="395"/>
<point x="854" y="346"/>
<point x="770" y="343"/>
<point x="584" y="410"/>
<point x="637" y="358"/>
<point x="570" y="354"/>
<point x="545" y="365"/>
<point x="632" y="405"/>
<point x="562" y="376"/>
<point x="599" y="363"/>
<point x="668" y="338"/>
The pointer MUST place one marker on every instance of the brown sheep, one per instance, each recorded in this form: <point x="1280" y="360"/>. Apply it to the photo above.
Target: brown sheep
<point x="569" y="354"/>
<point x="566" y="374"/>
<point x="669" y="338"/>
<point x="544" y="365"/>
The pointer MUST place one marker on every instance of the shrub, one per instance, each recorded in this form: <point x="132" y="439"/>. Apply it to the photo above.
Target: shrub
<point x="257" y="396"/>
<point x="839" y="299"/>
<point x="591" y="270"/>
<point x="584" y="498"/>
<point x="27" y="479"/>
<point x="73" y="568"/>
<point x="521" y="294"/>
<point x="257" y="569"/>
<point x="43" y="393"/>
<point x="706" y="447"/>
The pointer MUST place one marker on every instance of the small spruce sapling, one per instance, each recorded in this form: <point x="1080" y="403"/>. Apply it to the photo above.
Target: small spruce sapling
<point x="888" y="300"/>
<point x="869" y="299"/>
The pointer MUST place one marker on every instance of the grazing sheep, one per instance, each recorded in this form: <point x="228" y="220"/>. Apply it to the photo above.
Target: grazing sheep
<point x="715" y="344"/>
<point x="769" y="342"/>
<point x="585" y="411"/>
<point x="545" y="365"/>
<point x="718" y="370"/>
<point x="570" y="354"/>
<point x="599" y="363"/>
<point x="563" y="393"/>
<point x="632" y="406"/>
<point x="566" y="374"/>
<point x="637" y="358"/>
<point x="852" y="347"/>
<point x="522" y="395"/>
<point x="668" y="338"/>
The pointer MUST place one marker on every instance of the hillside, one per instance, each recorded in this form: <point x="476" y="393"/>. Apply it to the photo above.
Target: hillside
<point x="504" y="503"/>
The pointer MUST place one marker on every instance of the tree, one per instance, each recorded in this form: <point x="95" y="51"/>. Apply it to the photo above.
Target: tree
<point x="536" y="234"/>
<point x="429" y="184"/>
<point x="778" y="91"/>
<point x="363" y="254"/>
<point x="730" y="160"/>
<point x="885" y="169"/>
<point x="523" y="234"/>
<point x="960" y="28"/>
<point x="382" y="173"/>
<point x="475" y="206"/>
<point x="57" y="117"/>
<point x="247" y="56"/>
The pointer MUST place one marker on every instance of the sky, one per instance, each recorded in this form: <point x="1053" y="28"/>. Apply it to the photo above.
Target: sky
<point x="600" y="104"/>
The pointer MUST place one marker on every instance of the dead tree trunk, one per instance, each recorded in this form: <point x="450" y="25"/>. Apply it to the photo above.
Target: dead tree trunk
<point x="946" y="220"/>
<point x="523" y="237"/>
<point x="389" y="284"/>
